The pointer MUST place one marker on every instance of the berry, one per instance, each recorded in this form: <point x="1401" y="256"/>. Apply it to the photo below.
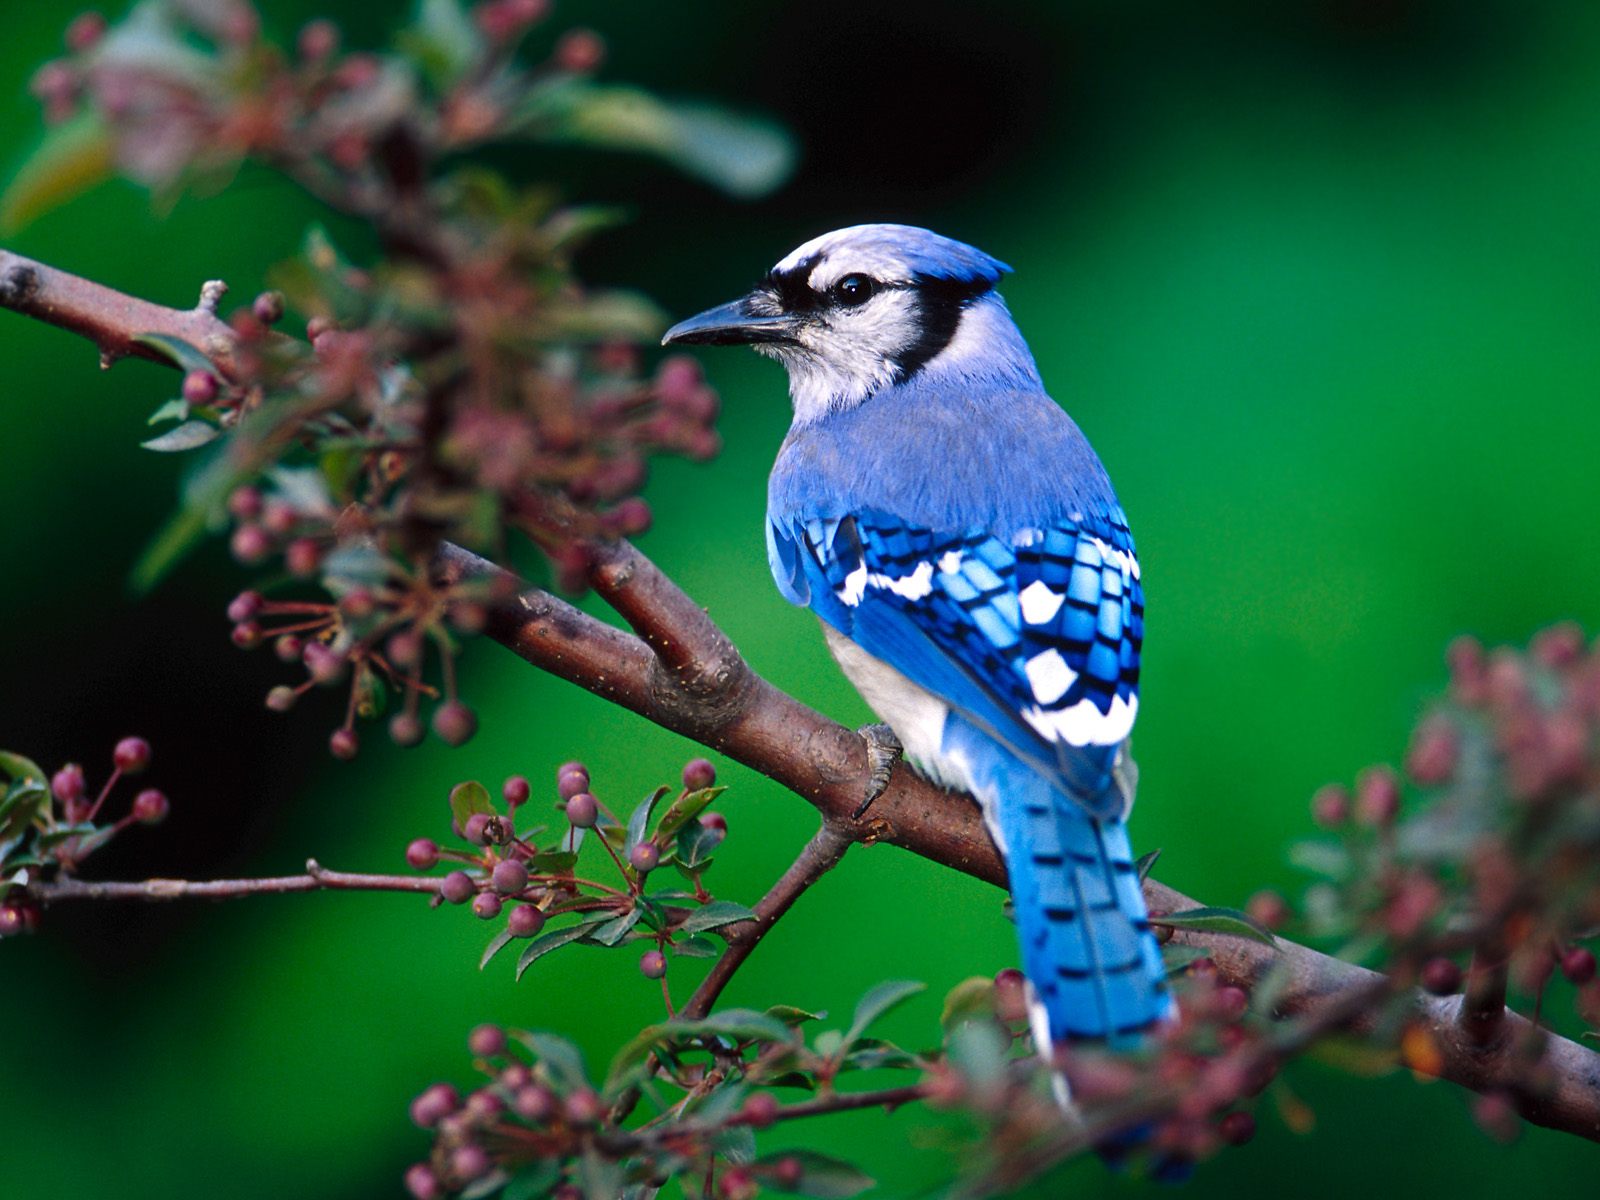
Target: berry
<point x="151" y="807"/>
<point x="281" y="698"/>
<point x="698" y="773"/>
<point x="131" y="755"/>
<point x="199" y="387"/>
<point x="1497" y="1116"/>
<point x="653" y="964"/>
<point x="580" y="51"/>
<point x="244" y="606"/>
<point x="1330" y="807"/>
<point x="476" y="830"/>
<point x="525" y="921"/>
<point x="13" y="920"/>
<point x="584" y="1107"/>
<point x="268" y="308"/>
<point x="788" y="1172"/>
<point x="86" y="30"/>
<point x="1237" y="1128"/>
<point x="534" y="1103"/>
<point x="405" y="648"/>
<point x="325" y="664"/>
<point x="1268" y="908"/>
<point x="572" y="781"/>
<point x="484" y="1105"/>
<point x="246" y="635"/>
<point x="457" y="887"/>
<point x="1441" y="976"/>
<point x="1578" y="965"/>
<point x="318" y="40"/>
<point x="422" y="1183"/>
<point x="454" y="722"/>
<point x="358" y="602"/>
<point x="405" y="729"/>
<point x="631" y="517"/>
<point x="715" y="822"/>
<point x="344" y="744"/>
<point x="423" y="854"/>
<point x="646" y="856"/>
<point x="509" y="877"/>
<point x="583" y="810"/>
<point x="737" y="1183"/>
<point x="760" y="1110"/>
<point x="245" y="503"/>
<point x="486" y="1041"/>
<point x="288" y="648"/>
<point x="1377" y="797"/>
<point x="1010" y="995"/>
<point x="67" y="784"/>
<point x="470" y="1162"/>
<point x="279" y="517"/>
<point x="1232" y="1002"/>
<point x="516" y="791"/>
<point x="434" y="1105"/>
<point x="486" y="906"/>
<point x="303" y="557"/>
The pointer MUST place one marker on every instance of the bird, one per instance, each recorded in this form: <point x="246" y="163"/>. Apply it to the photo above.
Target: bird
<point x="975" y="580"/>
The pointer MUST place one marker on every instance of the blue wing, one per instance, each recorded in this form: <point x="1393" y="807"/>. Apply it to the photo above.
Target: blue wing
<point x="1034" y="638"/>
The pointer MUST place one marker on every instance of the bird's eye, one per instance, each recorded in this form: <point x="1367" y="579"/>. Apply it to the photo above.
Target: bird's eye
<point x="854" y="289"/>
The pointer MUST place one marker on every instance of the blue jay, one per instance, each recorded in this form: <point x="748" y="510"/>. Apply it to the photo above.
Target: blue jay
<point x="975" y="580"/>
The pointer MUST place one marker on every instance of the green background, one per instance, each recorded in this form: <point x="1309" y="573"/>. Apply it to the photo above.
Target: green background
<point x="1320" y="280"/>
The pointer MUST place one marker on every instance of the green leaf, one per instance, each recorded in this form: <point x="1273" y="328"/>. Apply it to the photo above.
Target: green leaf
<point x="553" y="940"/>
<point x="21" y="805"/>
<point x="496" y="944"/>
<point x="1146" y="864"/>
<point x="563" y="1059"/>
<point x="696" y="845"/>
<point x="879" y="1001"/>
<point x="177" y="352"/>
<point x="70" y="159"/>
<point x="969" y="1000"/>
<point x="191" y="435"/>
<point x="533" y="1181"/>
<point x="745" y="156"/>
<point x="172" y="410"/>
<point x="715" y="915"/>
<point x="639" y="819"/>
<point x="792" y="1016"/>
<point x="737" y="1144"/>
<point x="468" y="798"/>
<point x="870" y="1054"/>
<point x="978" y="1051"/>
<point x="695" y="947"/>
<point x="1228" y="921"/>
<point x="17" y="766"/>
<point x="745" y="1025"/>
<point x="820" y="1176"/>
<point x="613" y="931"/>
<point x="552" y="862"/>
<point x="444" y="41"/>
<point x="685" y="809"/>
<point x="64" y="833"/>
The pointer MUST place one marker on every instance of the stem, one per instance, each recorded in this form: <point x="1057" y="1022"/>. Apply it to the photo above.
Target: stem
<point x="316" y="879"/>
<point x="1483" y="1006"/>
<point x="820" y="855"/>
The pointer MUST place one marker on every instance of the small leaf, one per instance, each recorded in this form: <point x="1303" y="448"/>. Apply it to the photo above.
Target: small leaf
<point x="792" y="1016"/>
<point x="978" y="1051"/>
<point x="191" y="435"/>
<point x="1145" y="864"/>
<point x="968" y="1000"/>
<point x="17" y="766"/>
<point x="737" y="1144"/>
<point x="1229" y="921"/>
<point x="820" y="1176"/>
<point x="683" y="810"/>
<point x="745" y="1025"/>
<point x="554" y="940"/>
<point x="552" y="862"/>
<point x="177" y="352"/>
<point x="715" y="915"/>
<point x="613" y="931"/>
<point x="444" y="41"/>
<point x="563" y="1059"/>
<point x="496" y="944"/>
<point x="468" y="798"/>
<point x="533" y="1181"/>
<point x="172" y="410"/>
<point x="696" y="844"/>
<point x="639" y="819"/>
<point x="695" y="947"/>
<point x="879" y="1001"/>
<point x="70" y="159"/>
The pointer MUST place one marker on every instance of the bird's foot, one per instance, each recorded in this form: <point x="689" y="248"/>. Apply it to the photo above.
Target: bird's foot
<point x="883" y="752"/>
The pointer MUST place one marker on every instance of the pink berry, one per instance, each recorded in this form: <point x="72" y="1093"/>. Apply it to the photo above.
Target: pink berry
<point x="1578" y="965"/>
<point x="423" y="854"/>
<point x="244" y="606"/>
<point x="699" y="773"/>
<point x="486" y="1041"/>
<point x="525" y="921"/>
<point x="67" y="785"/>
<point x="653" y="964"/>
<point x="509" y="877"/>
<point x="434" y="1105"/>
<point x="132" y="755"/>
<point x="454" y="722"/>
<point x="516" y="791"/>
<point x="486" y="906"/>
<point x="199" y="387"/>
<point x="760" y="1110"/>
<point x="422" y="1183"/>
<point x="583" y="810"/>
<point x="150" y="807"/>
<point x="344" y="744"/>
<point x="281" y="698"/>
<point x="457" y="887"/>
<point x="646" y="856"/>
<point x="405" y="729"/>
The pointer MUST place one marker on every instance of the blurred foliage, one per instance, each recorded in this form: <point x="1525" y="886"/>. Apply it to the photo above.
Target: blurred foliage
<point x="1318" y="280"/>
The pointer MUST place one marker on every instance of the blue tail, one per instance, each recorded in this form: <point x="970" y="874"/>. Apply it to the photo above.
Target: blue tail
<point x="1087" y="948"/>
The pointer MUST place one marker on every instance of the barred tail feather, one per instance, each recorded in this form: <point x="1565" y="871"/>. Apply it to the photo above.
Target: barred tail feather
<point x="1087" y="949"/>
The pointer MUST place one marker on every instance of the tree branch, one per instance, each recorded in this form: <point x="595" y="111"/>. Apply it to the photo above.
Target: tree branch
<point x="819" y="856"/>
<point x="682" y="673"/>
<point x="316" y="879"/>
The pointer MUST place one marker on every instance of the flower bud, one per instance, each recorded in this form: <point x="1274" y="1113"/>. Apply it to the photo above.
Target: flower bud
<point x="150" y="807"/>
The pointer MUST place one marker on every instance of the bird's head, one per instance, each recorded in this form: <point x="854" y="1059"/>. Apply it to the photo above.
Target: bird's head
<point x="867" y="307"/>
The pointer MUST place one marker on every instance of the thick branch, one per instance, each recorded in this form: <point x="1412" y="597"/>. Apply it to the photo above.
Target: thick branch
<point x="683" y="674"/>
<point x="820" y="855"/>
<point x="316" y="879"/>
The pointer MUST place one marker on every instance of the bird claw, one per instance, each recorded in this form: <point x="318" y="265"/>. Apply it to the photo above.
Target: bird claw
<point x="883" y="752"/>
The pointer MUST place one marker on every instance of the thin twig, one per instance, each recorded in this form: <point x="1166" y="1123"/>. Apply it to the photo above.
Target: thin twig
<point x="819" y="856"/>
<point x="316" y="879"/>
<point x="1483" y="1007"/>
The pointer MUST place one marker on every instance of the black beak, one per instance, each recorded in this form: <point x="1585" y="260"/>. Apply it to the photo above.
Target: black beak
<point x="730" y="325"/>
